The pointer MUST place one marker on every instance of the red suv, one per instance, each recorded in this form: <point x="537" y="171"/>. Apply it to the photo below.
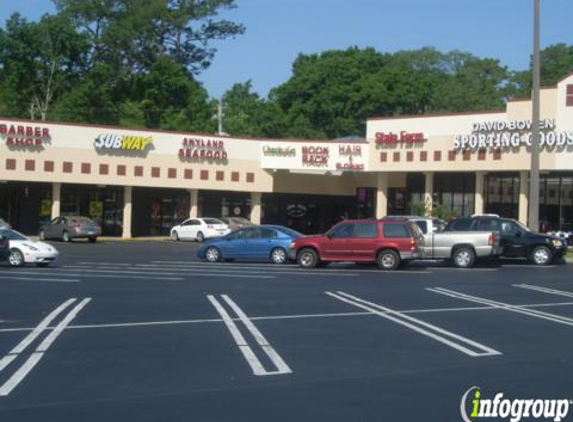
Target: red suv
<point x="386" y="242"/>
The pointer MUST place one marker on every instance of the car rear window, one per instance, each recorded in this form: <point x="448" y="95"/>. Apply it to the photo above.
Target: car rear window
<point x="396" y="230"/>
<point x="212" y="221"/>
<point x="423" y="225"/>
<point x="460" y="225"/>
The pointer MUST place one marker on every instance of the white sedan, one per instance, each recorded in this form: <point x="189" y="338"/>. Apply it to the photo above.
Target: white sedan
<point x="24" y="250"/>
<point x="199" y="229"/>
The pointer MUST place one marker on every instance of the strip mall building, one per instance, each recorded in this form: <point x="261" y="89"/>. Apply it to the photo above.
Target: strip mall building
<point x="141" y="182"/>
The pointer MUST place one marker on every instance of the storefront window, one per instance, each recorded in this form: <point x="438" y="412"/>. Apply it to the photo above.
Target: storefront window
<point x="556" y="202"/>
<point x="455" y="192"/>
<point x="502" y="194"/>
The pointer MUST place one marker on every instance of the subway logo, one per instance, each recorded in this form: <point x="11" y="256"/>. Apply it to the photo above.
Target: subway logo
<point x="123" y="142"/>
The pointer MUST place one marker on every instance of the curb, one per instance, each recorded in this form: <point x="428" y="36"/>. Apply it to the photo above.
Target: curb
<point x="122" y="240"/>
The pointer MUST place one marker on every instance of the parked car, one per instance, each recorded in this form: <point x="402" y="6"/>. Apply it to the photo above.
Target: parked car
<point x="251" y="243"/>
<point x="463" y="247"/>
<point x="4" y="224"/>
<point x="4" y="248"/>
<point x="236" y="223"/>
<point x="199" y="229"/>
<point x="386" y="242"/>
<point x="24" y="250"/>
<point x="516" y="239"/>
<point x="70" y="227"/>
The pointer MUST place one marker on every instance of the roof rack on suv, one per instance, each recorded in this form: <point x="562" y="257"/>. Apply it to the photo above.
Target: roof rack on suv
<point x="486" y="215"/>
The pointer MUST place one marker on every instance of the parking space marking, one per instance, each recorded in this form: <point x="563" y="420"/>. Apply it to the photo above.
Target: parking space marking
<point x="505" y="306"/>
<point x="40" y="351"/>
<point x="251" y="358"/>
<point x="162" y="273"/>
<point x="208" y="269"/>
<point x="43" y="325"/>
<point x="55" y="272"/>
<point x="544" y="290"/>
<point x="448" y="338"/>
<point x="49" y="280"/>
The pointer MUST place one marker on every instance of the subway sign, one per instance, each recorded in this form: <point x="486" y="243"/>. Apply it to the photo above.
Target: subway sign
<point x="113" y="142"/>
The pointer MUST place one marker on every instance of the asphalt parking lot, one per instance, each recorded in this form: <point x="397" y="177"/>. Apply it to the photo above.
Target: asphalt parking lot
<point x="144" y="332"/>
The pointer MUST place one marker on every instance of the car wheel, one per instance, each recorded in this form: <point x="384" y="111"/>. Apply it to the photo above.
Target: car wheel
<point x="388" y="260"/>
<point x="278" y="256"/>
<point x="16" y="258"/>
<point x="212" y="254"/>
<point x="307" y="258"/>
<point x="200" y="237"/>
<point x="541" y="255"/>
<point x="42" y="264"/>
<point x="65" y="236"/>
<point x="174" y="236"/>
<point x="92" y="239"/>
<point x="42" y="235"/>
<point x="464" y="257"/>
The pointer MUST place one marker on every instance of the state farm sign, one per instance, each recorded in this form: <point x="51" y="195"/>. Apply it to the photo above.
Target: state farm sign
<point x="404" y="138"/>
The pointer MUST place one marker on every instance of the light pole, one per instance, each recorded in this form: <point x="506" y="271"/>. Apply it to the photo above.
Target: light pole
<point x="534" y="172"/>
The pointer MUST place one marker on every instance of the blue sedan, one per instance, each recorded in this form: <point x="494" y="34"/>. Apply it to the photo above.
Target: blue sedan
<point x="260" y="243"/>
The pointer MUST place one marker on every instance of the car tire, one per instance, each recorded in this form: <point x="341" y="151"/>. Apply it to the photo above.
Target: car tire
<point x="200" y="237"/>
<point x="279" y="256"/>
<point x="541" y="255"/>
<point x="388" y="260"/>
<point x="464" y="257"/>
<point x="175" y="236"/>
<point x="212" y="254"/>
<point x="307" y="258"/>
<point x="66" y="236"/>
<point x="16" y="258"/>
<point x="42" y="264"/>
<point x="42" y="235"/>
<point x="92" y="239"/>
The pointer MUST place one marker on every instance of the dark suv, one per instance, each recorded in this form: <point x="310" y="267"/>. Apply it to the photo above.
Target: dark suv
<point x="517" y="240"/>
<point x="386" y="242"/>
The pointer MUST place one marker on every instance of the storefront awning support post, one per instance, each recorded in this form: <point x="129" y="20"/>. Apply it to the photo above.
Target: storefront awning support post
<point x="56" y="195"/>
<point x="127" y="208"/>
<point x="382" y="195"/>
<point x="534" y="174"/>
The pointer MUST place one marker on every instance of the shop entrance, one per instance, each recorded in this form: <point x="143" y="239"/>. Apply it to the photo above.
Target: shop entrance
<point x="25" y="206"/>
<point x="156" y="211"/>
<point x="103" y="204"/>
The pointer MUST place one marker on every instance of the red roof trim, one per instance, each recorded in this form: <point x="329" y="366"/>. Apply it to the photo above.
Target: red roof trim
<point x="435" y="115"/>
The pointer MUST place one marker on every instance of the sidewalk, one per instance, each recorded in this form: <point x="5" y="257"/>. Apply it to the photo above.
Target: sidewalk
<point x="120" y="239"/>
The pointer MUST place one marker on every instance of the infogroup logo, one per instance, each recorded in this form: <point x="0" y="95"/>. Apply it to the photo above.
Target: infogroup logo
<point x="513" y="410"/>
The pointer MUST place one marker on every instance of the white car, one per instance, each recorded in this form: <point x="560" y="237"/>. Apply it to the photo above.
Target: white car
<point x="23" y="250"/>
<point x="199" y="229"/>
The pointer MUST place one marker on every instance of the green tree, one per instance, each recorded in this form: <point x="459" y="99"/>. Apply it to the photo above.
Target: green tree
<point x="39" y="61"/>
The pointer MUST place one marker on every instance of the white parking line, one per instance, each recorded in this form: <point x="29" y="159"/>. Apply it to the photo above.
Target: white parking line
<point x="544" y="290"/>
<point x="50" y="280"/>
<point x="448" y="338"/>
<point x="33" y="360"/>
<point x="143" y="271"/>
<point x="251" y="358"/>
<point x="505" y="306"/>
<point x="214" y="269"/>
<point x="55" y="272"/>
<point x="34" y="334"/>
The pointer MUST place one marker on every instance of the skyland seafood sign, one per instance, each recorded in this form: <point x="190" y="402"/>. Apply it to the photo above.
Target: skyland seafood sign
<point x="200" y="149"/>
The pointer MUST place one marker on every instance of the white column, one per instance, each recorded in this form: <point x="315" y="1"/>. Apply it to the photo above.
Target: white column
<point x="256" y="207"/>
<point x="429" y="192"/>
<point x="479" y="201"/>
<point x="523" y="199"/>
<point x="56" y="195"/>
<point x="193" y="203"/>
<point x="382" y="195"/>
<point x="127" y="194"/>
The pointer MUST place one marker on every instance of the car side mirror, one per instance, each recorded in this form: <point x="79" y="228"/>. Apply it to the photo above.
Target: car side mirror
<point x="518" y="234"/>
<point x="329" y="235"/>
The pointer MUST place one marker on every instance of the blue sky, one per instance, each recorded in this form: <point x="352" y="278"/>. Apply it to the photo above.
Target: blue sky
<point x="278" y="30"/>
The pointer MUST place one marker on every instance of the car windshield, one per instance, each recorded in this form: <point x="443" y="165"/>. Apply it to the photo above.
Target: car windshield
<point x="289" y="232"/>
<point x="212" y="221"/>
<point x="12" y="235"/>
